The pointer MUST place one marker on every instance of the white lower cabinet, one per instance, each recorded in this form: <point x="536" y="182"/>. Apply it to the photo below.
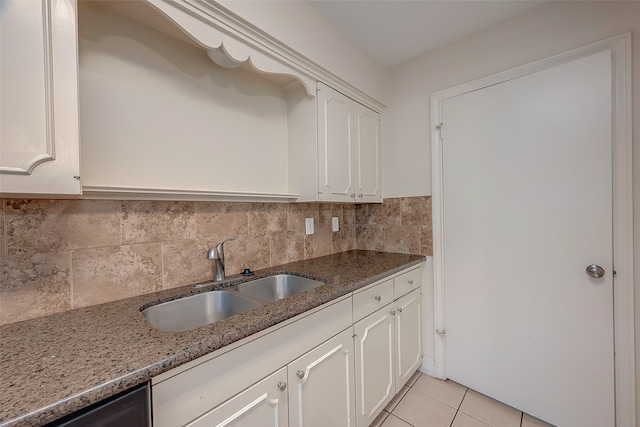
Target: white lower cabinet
<point x="321" y="385"/>
<point x="264" y="404"/>
<point x="338" y="365"/>
<point x="408" y="336"/>
<point x="375" y="379"/>
<point x="388" y="348"/>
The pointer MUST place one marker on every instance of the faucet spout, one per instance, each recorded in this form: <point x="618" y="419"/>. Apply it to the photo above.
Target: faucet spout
<point x="217" y="254"/>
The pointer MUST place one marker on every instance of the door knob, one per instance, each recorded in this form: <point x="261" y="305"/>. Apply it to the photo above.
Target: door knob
<point x="595" y="271"/>
<point x="282" y="386"/>
<point x="300" y="374"/>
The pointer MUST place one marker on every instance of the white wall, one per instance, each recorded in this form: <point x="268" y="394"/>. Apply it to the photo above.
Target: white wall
<point x="299" y="26"/>
<point x="550" y="29"/>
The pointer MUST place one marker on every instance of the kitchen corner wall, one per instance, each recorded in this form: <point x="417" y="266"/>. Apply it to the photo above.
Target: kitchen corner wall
<point x="56" y="255"/>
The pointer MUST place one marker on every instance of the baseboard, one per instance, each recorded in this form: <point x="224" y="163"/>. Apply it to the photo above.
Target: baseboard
<point x="428" y="367"/>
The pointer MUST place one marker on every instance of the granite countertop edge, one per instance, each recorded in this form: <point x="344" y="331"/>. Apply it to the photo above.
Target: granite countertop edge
<point x="59" y="364"/>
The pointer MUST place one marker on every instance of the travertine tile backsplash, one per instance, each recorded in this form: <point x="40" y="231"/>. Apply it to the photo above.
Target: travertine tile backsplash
<point x="56" y="255"/>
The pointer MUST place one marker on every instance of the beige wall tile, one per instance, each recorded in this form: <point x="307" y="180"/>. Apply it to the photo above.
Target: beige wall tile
<point x="297" y="214"/>
<point x="3" y="240"/>
<point x="34" y="285"/>
<point x="37" y="226"/>
<point x="426" y="240"/>
<point x="415" y="210"/>
<point x="108" y="274"/>
<point x="185" y="262"/>
<point x="325" y="213"/>
<point x="344" y="239"/>
<point x="386" y="213"/>
<point x="265" y="217"/>
<point x="248" y="251"/>
<point x="370" y="237"/>
<point x="318" y="244"/>
<point x="286" y="246"/>
<point x="157" y="221"/>
<point x="221" y="219"/>
<point x="403" y="239"/>
<point x="349" y="213"/>
<point x="337" y="210"/>
<point x="361" y="214"/>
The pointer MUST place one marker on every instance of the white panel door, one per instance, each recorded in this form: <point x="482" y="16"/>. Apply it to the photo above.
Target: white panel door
<point x="527" y="207"/>
<point x="264" y="404"/>
<point x="321" y="391"/>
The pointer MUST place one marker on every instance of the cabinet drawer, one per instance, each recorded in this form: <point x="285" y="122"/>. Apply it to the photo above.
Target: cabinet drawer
<point x="371" y="299"/>
<point x="406" y="282"/>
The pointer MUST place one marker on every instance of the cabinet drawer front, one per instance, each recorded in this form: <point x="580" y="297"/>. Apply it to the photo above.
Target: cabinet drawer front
<point x="407" y="282"/>
<point x="372" y="299"/>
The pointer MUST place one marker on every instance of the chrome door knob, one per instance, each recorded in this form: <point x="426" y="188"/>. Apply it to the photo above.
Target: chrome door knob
<point x="300" y="374"/>
<point x="595" y="271"/>
<point x="282" y="386"/>
<point x="378" y="298"/>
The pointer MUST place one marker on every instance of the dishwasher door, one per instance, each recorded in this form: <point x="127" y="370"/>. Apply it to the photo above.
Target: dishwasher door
<point x="130" y="409"/>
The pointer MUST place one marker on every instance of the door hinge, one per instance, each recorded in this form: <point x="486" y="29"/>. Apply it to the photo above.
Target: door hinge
<point x="439" y="128"/>
<point x="441" y="332"/>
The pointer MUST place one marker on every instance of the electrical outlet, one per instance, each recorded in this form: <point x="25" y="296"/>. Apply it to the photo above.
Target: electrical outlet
<point x="308" y="225"/>
<point x="335" y="226"/>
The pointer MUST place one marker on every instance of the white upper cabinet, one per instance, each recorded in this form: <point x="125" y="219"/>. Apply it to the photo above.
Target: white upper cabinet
<point x="39" y="147"/>
<point x="348" y="149"/>
<point x="367" y="148"/>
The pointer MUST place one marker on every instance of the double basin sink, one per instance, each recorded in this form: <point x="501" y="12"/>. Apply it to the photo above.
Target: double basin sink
<point x="195" y="311"/>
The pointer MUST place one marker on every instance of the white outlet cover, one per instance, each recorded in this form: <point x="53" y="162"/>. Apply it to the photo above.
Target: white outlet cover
<point x="335" y="226"/>
<point x="308" y="223"/>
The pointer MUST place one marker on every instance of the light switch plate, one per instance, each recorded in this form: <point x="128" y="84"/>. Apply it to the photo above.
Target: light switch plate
<point x="335" y="226"/>
<point x="308" y="225"/>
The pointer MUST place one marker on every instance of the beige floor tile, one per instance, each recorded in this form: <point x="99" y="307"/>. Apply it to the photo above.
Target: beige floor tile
<point x="464" y="420"/>
<point x="380" y="419"/>
<point x="490" y="411"/>
<point x="423" y="411"/>
<point x="447" y="392"/>
<point x="529" y="421"/>
<point x="416" y="375"/>
<point x="398" y="397"/>
<point x="393" y="421"/>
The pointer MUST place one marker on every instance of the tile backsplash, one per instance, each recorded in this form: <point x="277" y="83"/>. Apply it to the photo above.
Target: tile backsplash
<point x="56" y="255"/>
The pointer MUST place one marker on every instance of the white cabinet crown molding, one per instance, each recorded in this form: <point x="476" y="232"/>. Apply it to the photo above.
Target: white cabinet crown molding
<point x="216" y="28"/>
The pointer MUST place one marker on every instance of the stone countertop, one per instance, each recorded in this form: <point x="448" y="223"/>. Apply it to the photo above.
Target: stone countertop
<point x="55" y="365"/>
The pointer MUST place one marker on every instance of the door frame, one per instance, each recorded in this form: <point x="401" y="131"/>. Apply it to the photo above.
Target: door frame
<point x="623" y="298"/>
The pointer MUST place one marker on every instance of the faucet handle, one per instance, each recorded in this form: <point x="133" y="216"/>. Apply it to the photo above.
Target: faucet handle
<point x="217" y="251"/>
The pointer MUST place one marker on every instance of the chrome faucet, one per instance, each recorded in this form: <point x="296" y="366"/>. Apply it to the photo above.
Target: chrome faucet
<point x="217" y="254"/>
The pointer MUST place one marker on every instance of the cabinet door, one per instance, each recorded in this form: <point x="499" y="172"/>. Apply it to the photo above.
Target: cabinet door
<point x="367" y="154"/>
<point x="39" y="143"/>
<point x="321" y="391"/>
<point x="335" y="146"/>
<point x="375" y="380"/>
<point x="408" y="311"/>
<point x="265" y="404"/>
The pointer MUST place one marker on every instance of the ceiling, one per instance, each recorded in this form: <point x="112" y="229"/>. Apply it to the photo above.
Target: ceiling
<point x="393" y="31"/>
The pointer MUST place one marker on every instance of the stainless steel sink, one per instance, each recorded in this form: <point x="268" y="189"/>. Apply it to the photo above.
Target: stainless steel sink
<point x="198" y="310"/>
<point x="273" y="288"/>
<point x="195" y="311"/>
